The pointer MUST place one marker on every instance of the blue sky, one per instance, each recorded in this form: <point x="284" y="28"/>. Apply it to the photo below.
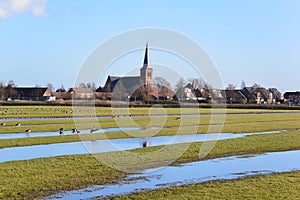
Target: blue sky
<point x="47" y="41"/>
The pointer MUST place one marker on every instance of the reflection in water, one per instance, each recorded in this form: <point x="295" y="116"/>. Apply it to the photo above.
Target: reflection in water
<point x="98" y="146"/>
<point x="195" y="172"/>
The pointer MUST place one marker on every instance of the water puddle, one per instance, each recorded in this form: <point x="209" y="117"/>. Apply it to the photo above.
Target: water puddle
<point x="99" y="146"/>
<point x="195" y="172"/>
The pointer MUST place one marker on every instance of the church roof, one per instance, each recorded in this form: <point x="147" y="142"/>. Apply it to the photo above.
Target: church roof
<point x="127" y="83"/>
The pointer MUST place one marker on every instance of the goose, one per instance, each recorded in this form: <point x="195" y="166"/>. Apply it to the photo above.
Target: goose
<point x="75" y="131"/>
<point x="61" y="131"/>
<point x="28" y="131"/>
<point x="93" y="130"/>
<point x="145" y="144"/>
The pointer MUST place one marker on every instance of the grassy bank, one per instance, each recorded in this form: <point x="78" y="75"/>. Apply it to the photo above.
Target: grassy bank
<point x="276" y="186"/>
<point x="40" y="177"/>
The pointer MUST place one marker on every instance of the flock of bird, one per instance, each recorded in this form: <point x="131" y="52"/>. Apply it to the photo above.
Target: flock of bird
<point x="61" y="130"/>
<point x="74" y="131"/>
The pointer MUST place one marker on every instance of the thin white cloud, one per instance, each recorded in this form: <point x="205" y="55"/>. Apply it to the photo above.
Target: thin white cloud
<point x="35" y="7"/>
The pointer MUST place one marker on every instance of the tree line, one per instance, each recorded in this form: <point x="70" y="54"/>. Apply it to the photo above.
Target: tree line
<point x="7" y="91"/>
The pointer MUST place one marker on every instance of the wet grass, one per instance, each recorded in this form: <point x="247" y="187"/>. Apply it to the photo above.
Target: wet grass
<point x="41" y="177"/>
<point x="188" y="125"/>
<point x="275" y="186"/>
<point x="36" y="178"/>
<point x="69" y="111"/>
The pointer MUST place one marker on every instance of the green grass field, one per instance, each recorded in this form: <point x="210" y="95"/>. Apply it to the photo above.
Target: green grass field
<point x="41" y="177"/>
<point x="68" y="111"/>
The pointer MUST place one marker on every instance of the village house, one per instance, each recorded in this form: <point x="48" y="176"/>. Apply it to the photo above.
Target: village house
<point x="163" y="93"/>
<point x="81" y="93"/>
<point x="274" y="96"/>
<point x="250" y="95"/>
<point x="62" y="95"/>
<point x="103" y="95"/>
<point x="32" y="93"/>
<point x="185" y="93"/>
<point x="189" y="93"/>
<point x="292" y="98"/>
<point x="235" y="97"/>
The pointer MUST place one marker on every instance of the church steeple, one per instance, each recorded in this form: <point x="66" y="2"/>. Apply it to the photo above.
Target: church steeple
<point x="146" y="73"/>
<point x="146" y="57"/>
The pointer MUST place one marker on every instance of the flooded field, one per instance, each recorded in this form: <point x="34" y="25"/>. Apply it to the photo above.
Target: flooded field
<point x="98" y="146"/>
<point x="195" y="172"/>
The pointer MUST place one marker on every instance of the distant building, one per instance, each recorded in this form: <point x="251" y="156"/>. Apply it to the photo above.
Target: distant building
<point x="250" y="95"/>
<point x="185" y="93"/>
<point x="256" y="95"/>
<point x="81" y="93"/>
<point x="292" y="98"/>
<point x="189" y="93"/>
<point x="163" y="93"/>
<point x="32" y="93"/>
<point x="62" y="95"/>
<point x="125" y="87"/>
<point x="235" y="96"/>
<point x="275" y="96"/>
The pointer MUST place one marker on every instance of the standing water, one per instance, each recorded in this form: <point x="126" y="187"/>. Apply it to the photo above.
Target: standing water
<point x="196" y="172"/>
<point x="100" y="146"/>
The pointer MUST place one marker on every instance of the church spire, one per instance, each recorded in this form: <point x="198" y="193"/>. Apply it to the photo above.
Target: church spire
<point x="146" y="58"/>
<point x="146" y="72"/>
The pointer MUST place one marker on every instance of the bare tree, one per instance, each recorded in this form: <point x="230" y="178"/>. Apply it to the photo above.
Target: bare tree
<point x="197" y="82"/>
<point x="163" y="86"/>
<point x="230" y="86"/>
<point x="91" y="85"/>
<point x="2" y="91"/>
<point x="82" y="85"/>
<point x="11" y="83"/>
<point x="180" y="84"/>
<point x="50" y="87"/>
<point x="10" y="91"/>
<point x="161" y="82"/>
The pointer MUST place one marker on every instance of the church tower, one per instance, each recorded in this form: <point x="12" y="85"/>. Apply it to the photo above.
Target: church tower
<point x="146" y="73"/>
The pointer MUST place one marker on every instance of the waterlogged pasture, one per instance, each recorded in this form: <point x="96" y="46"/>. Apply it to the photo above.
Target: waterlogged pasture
<point x="195" y="172"/>
<point x="242" y="123"/>
<point x="43" y="177"/>
<point x="37" y="178"/>
<point x="275" y="186"/>
<point x="69" y="111"/>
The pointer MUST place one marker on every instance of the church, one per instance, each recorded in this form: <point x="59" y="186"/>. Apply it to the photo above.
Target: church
<point x="123" y="87"/>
